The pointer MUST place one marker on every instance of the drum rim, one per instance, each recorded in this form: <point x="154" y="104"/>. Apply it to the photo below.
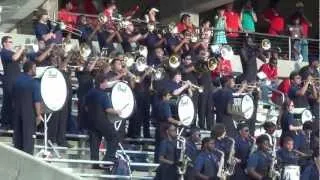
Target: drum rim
<point x="247" y="95"/>
<point x="65" y="82"/>
<point x="178" y="100"/>
<point x="134" y="99"/>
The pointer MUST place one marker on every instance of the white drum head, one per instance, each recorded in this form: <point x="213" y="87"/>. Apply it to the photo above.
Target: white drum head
<point x="247" y="106"/>
<point x="122" y="99"/>
<point x="185" y="110"/>
<point x="306" y="116"/>
<point x="40" y="71"/>
<point x="53" y="89"/>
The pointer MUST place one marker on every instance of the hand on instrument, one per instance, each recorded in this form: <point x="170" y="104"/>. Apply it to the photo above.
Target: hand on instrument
<point x="244" y="84"/>
<point x="39" y="118"/>
<point x="118" y="112"/>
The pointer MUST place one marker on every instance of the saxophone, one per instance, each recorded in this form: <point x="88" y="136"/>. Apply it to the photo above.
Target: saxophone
<point x="183" y="158"/>
<point x="221" y="171"/>
<point x="232" y="160"/>
<point x="273" y="173"/>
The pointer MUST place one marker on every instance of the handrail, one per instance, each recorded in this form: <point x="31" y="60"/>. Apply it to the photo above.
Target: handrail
<point x="109" y="176"/>
<point x="80" y="161"/>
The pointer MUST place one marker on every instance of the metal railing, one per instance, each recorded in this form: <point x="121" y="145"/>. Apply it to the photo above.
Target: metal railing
<point x="109" y="176"/>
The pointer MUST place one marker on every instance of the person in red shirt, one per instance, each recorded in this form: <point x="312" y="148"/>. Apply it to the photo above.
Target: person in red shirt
<point x="233" y="21"/>
<point x="111" y="7"/>
<point x="223" y="69"/>
<point x="274" y="20"/>
<point x="185" y="23"/>
<point x="270" y="69"/>
<point x="66" y="16"/>
<point x="284" y="87"/>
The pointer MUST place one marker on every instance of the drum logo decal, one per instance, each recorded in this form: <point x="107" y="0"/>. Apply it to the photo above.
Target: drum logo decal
<point x="122" y="88"/>
<point x="52" y="74"/>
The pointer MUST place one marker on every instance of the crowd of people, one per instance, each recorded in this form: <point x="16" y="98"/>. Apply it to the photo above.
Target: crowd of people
<point x="192" y="61"/>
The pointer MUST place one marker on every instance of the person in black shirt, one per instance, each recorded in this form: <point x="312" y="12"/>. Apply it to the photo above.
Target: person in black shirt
<point x="130" y="38"/>
<point x="26" y="108"/>
<point x="10" y="62"/>
<point x="168" y="155"/>
<point x="98" y="105"/>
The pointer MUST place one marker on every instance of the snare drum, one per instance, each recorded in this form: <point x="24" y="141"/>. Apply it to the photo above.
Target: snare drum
<point x="122" y="99"/>
<point x="290" y="172"/>
<point x="183" y="109"/>
<point x="53" y="88"/>
<point x="242" y="106"/>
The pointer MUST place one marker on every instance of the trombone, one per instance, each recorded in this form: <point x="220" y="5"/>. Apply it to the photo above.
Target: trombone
<point x="67" y="28"/>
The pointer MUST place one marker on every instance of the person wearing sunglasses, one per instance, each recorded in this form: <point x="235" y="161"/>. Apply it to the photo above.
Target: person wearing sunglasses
<point x="11" y="68"/>
<point x="243" y="146"/>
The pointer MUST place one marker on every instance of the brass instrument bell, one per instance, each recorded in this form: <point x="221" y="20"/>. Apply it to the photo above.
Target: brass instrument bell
<point x="85" y="50"/>
<point x="266" y="44"/>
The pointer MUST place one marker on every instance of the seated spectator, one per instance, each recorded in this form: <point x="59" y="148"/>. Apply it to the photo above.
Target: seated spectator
<point x="65" y="15"/>
<point x="185" y="23"/>
<point x="248" y="17"/>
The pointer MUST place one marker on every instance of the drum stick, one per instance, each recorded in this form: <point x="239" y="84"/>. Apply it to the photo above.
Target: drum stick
<point x="124" y="107"/>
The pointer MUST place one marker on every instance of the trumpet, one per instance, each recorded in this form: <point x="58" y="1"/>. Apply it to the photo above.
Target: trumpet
<point x="250" y="87"/>
<point x="193" y="86"/>
<point x="65" y="27"/>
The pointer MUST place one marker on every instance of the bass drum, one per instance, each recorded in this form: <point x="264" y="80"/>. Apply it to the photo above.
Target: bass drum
<point x="183" y="109"/>
<point x="53" y="88"/>
<point x="290" y="173"/>
<point x="241" y="106"/>
<point x="302" y="115"/>
<point x="122" y="99"/>
<point x="266" y="112"/>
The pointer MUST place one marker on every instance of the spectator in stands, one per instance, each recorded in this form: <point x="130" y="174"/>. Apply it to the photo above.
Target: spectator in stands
<point x="205" y="33"/>
<point x="306" y="24"/>
<point x="271" y="71"/>
<point x="233" y="24"/>
<point x="220" y="27"/>
<point x="223" y="69"/>
<point x="111" y="8"/>
<point x="248" y="17"/>
<point x="150" y="15"/>
<point x="295" y="31"/>
<point x="66" y="16"/>
<point x="274" y="19"/>
<point x="185" y="23"/>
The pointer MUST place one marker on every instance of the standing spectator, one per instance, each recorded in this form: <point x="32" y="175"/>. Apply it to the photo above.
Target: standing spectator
<point x="233" y="25"/>
<point x="220" y="28"/>
<point x="248" y="17"/>
<point x="185" y="23"/>
<point x="295" y="31"/>
<point x="274" y="19"/>
<point x="306" y="24"/>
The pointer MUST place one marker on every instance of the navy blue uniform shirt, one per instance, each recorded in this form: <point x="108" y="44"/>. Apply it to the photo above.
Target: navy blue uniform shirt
<point x="286" y="157"/>
<point x="102" y="40"/>
<point x="207" y="164"/>
<point x="27" y="83"/>
<point x="170" y="85"/>
<point x="98" y="96"/>
<point x="311" y="172"/>
<point x="299" y="101"/>
<point x="168" y="149"/>
<point x="242" y="149"/>
<point x="6" y="57"/>
<point x="191" y="150"/>
<point x="163" y="111"/>
<point x="260" y="162"/>
<point x="126" y="45"/>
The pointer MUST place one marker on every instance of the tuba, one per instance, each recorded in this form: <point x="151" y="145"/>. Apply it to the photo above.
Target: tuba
<point x="221" y="173"/>
<point x="266" y="44"/>
<point x="232" y="160"/>
<point x="212" y="63"/>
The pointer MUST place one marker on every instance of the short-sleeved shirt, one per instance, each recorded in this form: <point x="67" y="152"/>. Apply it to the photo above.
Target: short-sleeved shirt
<point x="232" y="20"/>
<point x="191" y="150"/>
<point x="247" y="22"/>
<point x="163" y="111"/>
<point x="168" y="149"/>
<point x="299" y="101"/>
<point x="171" y="86"/>
<point x="260" y="162"/>
<point x="172" y="41"/>
<point x="6" y="57"/>
<point x="207" y="164"/>
<point x="223" y="145"/>
<point x="242" y="149"/>
<point x="99" y="97"/>
<point x="126" y="45"/>
<point x="311" y="172"/>
<point x="65" y="16"/>
<point x="270" y="71"/>
<point x="41" y="29"/>
<point x="85" y="30"/>
<point x="102" y="40"/>
<point x="224" y="69"/>
<point x="221" y="98"/>
<point x="27" y="83"/>
<point x="286" y="157"/>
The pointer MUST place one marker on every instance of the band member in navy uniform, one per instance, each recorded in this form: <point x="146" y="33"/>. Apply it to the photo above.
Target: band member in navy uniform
<point x="26" y="108"/>
<point x="10" y="62"/>
<point x="192" y="151"/>
<point x="98" y="105"/>
<point x="243" y="147"/>
<point x="168" y="155"/>
<point x="130" y="39"/>
<point x="206" y="165"/>
<point x="163" y="118"/>
<point x="221" y="99"/>
<point x="260" y="161"/>
<point x="298" y="92"/>
<point x="312" y="171"/>
<point x="286" y="155"/>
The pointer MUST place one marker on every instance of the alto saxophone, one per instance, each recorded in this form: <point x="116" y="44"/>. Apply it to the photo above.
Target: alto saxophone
<point x="232" y="160"/>
<point x="183" y="158"/>
<point x="273" y="173"/>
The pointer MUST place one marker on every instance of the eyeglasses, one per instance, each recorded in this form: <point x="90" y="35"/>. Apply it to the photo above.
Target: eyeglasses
<point x="9" y="42"/>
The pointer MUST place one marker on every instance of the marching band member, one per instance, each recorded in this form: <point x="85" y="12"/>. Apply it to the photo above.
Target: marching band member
<point x="243" y="146"/>
<point x="173" y="85"/>
<point x="192" y="151"/>
<point x="117" y="71"/>
<point x="26" y="108"/>
<point x="221" y="98"/>
<point x="259" y="162"/>
<point x="150" y="15"/>
<point x="312" y="171"/>
<point x="290" y="126"/>
<point x="177" y="43"/>
<point x="130" y="39"/>
<point x="87" y="32"/>
<point x="46" y="32"/>
<point x="167" y="155"/>
<point x="270" y="129"/>
<point x="286" y="155"/>
<point x="98" y="105"/>
<point x="163" y="117"/>
<point x="220" y="136"/>
<point x="11" y="68"/>
<point x="207" y="162"/>
<point x="108" y="36"/>
<point x="154" y="42"/>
